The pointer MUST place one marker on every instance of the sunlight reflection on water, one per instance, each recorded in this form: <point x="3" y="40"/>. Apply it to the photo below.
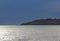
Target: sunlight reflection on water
<point x="29" y="33"/>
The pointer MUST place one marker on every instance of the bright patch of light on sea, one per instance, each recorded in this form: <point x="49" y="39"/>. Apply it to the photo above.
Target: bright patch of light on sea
<point x="29" y="33"/>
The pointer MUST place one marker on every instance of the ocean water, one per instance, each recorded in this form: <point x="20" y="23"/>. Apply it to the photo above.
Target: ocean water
<point x="30" y="33"/>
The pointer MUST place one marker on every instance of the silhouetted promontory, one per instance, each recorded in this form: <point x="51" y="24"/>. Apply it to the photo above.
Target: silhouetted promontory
<point x="43" y="22"/>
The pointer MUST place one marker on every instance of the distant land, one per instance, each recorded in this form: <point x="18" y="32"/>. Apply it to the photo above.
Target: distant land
<point x="48" y="21"/>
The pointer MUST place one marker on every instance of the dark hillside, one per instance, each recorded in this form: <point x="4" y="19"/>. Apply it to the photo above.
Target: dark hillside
<point x="43" y="22"/>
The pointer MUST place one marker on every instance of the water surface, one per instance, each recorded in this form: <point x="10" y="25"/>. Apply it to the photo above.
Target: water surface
<point x="30" y="33"/>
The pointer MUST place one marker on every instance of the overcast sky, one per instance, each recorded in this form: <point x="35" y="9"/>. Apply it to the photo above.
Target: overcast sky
<point x="19" y="11"/>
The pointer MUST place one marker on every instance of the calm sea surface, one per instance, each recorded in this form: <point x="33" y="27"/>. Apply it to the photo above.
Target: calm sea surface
<point x="30" y="33"/>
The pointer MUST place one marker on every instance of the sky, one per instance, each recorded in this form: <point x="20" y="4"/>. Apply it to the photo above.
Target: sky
<point x="20" y="11"/>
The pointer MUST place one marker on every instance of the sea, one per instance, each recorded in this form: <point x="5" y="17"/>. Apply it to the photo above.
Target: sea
<point x="30" y="33"/>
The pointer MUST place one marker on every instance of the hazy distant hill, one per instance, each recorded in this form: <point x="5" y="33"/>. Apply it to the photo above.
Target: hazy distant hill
<point x="43" y="22"/>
